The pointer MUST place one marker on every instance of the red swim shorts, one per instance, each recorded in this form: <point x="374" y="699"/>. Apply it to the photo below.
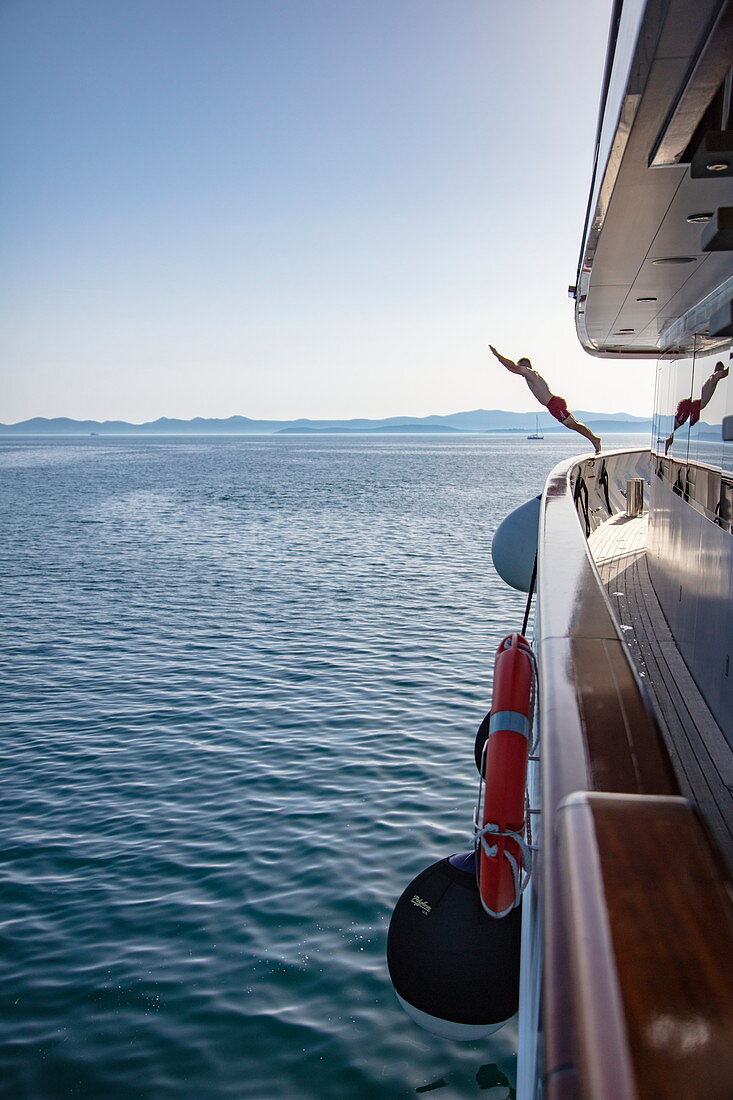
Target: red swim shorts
<point x="687" y="408"/>
<point x="557" y="407"/>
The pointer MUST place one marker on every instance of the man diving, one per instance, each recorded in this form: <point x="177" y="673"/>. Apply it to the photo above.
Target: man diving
<point x="556" y="406"/>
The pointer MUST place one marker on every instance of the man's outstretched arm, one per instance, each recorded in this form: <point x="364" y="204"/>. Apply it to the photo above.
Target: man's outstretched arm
<point x="508" y="363"/>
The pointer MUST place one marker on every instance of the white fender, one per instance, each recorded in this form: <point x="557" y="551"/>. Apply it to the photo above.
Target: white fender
<point x="514" y="545"/>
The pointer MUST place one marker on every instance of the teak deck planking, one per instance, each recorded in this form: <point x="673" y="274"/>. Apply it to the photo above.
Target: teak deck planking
<point x="700" y="754"/>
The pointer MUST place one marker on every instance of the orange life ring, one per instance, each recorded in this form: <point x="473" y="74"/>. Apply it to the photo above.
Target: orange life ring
<point x="503" y="852"/>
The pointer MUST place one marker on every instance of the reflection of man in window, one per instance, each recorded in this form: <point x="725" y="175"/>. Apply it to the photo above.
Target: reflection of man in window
<point x="689" y="409"/>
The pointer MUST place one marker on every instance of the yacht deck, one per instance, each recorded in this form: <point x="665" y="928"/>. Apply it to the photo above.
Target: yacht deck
<point x="700" y="754"/>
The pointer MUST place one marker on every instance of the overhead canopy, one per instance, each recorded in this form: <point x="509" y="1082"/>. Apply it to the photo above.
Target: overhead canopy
<point x="657" y="257"/>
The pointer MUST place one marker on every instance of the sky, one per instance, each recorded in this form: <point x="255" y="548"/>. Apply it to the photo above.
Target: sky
<point x="286" y="208"/>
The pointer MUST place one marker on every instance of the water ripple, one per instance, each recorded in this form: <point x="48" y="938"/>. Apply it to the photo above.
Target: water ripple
<point x="242" y="680"/>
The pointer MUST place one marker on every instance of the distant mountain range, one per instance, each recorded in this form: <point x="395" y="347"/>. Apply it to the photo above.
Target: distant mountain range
<point x="480" y="420"/>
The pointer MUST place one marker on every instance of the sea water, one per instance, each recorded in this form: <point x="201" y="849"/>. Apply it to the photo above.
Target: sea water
<point x="241" y="680"/>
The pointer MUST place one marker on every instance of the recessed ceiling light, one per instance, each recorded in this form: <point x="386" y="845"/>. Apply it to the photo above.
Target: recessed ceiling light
<point x="646" y="299"/>
<point x="718" y="166"/>
<point x="675" y="260"/>
<point x="699" y="217"/>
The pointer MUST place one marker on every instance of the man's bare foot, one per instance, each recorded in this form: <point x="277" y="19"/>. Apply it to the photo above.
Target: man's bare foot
<point x="596" y="443"/>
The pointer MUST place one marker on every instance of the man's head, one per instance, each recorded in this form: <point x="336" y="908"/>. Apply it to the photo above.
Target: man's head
<point x="523" y="362"/>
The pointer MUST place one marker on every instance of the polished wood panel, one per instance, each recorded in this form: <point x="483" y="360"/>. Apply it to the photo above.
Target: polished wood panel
<point x="604" y="1060"/>
<point x="651" y="928"/>
<point x="625" y="747"/>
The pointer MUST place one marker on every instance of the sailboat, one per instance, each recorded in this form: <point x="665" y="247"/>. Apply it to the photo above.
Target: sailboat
<point x="537" y="433"/>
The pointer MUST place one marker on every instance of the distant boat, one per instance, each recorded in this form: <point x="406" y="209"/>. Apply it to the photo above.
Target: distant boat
<point x="537" y="433"/>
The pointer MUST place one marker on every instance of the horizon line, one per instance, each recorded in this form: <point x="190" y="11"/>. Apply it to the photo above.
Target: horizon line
<point x="311" y="419"/>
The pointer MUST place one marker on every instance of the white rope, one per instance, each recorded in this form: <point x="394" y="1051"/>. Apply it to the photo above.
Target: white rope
<point x="520" y="872"/>
<point x="535" y="691"/>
